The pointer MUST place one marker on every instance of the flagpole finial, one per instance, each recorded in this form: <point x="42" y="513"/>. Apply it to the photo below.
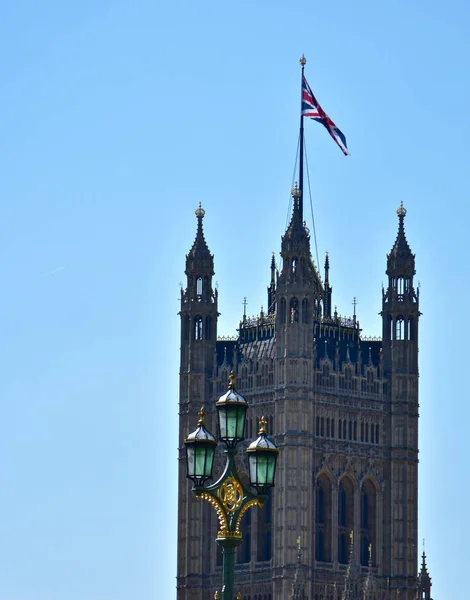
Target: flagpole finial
<point x="303" y="61"/>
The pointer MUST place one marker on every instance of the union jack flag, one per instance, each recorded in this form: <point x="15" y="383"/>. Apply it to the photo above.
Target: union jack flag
<point x="311" y="108"/>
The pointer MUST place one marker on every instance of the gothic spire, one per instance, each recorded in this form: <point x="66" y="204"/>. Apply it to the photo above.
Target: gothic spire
<point x="199" y="259"/>
<point x="200" y="247"/>
<point x="424" y="581"/>
<point x="272" y="288"/>
<point x="401" y="259"/>
<point x="297" y="264"/>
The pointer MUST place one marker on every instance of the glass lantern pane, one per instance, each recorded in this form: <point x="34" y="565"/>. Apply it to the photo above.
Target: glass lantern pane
<point x="232" y="421"/>
<point x="223" y="422"/>
<point x="200" y="461"/>
<point x="252" y="463"/>
<point x="190" y="458"/>
<point x="271" y="469"/>
<point x="241" y="415"/>
<point x="262" y="469"/>
<point x="209" y="461"/>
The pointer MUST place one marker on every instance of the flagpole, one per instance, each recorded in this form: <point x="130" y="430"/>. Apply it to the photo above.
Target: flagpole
<point x="303" y="61"/>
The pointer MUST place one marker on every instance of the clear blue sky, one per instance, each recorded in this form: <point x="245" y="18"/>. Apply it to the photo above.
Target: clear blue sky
<point x="117" y="118"/>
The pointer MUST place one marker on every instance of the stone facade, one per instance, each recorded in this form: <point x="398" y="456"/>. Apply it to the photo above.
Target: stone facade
<point x="342" y="409"/>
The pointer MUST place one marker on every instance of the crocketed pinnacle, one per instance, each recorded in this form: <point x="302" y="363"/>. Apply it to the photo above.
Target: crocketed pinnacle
<point x="200" y="248"/>
<point x="401" y="258"/>
<point x="199" y="260"/>
<point x="424" y="574"/>
<point x="296" y="237"/>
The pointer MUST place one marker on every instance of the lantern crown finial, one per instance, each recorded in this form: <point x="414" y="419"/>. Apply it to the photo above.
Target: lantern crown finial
<point x="262" y="426"/>
<point x="233" y="379"/>
<point x="202" y="416"/>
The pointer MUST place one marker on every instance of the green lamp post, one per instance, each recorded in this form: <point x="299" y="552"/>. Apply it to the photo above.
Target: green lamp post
<point x="228" y="496"/>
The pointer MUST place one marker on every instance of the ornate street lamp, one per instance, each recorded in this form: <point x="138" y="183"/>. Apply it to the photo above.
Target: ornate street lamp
<point x="200" y="450"/>
<point x="262" y="458"/>
<point x="228" y="496"/>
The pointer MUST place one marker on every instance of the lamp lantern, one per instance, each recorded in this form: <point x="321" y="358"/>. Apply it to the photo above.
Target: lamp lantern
<point x="200" y="450"/>
<point x="262" y="458"/>
<point x="231" y="409"/>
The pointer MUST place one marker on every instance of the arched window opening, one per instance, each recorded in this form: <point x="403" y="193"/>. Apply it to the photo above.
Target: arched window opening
<point x="400" y="286"/>
<point x="345" y="424"/>
<point x="342" y="549"/>
<point x="320" y="512"/>
<point x="305" y="310"/>
<point x="362" y="432"/>
<point x="199" y="286"/>
<point x="367" y="432"/>
<point x="368" y="520"/>
<point x="323" y="519"/>
<point x="317" y="428"/>
<point x="377" y="438"/>
<point x="345" y="504"/>
<point x="332" y="428"/>
<point x="350" y="430"/>
<point x="345" y="517"/>
<point x="294" y="310"/>
<point x="320" y="550"/>
<point x="198" y="328"/>
<point x="400" y="329"/>
<point x="322" y="424"/>
<point x="355" y="431"/>
<point x="364" y="550"/>
<point x="340" y="429"/>
<point x="407" y="285"/>
<point x="282" y="310"/>
<point x="294" y="266"/>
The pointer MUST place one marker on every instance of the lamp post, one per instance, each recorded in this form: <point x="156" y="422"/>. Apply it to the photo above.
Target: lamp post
<point x="228" y="496"/>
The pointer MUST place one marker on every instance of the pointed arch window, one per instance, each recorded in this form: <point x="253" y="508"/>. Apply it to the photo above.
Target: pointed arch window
<point x="400" y="329"/>
<point x="323" y="519"/>
<point x="345" y="517"/>
<point x="294" y="266"/>
<point x="400" y="286"/>
<point x="294" y="310"/>
<point x="199" y="286"/>
<point x="198" y="328"/>
<point x="368" y="520"/>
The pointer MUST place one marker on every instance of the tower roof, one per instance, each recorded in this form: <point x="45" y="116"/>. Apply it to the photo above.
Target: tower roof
<point x="199" y="257"/>
<point x="295" y="249"/>
<point x="297" y="236"/>
<point x="401" y="260"/>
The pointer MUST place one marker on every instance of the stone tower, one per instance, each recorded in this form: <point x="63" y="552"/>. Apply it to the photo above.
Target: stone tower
<point x="198" y="345"/>
<point x="342" y="409"/>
